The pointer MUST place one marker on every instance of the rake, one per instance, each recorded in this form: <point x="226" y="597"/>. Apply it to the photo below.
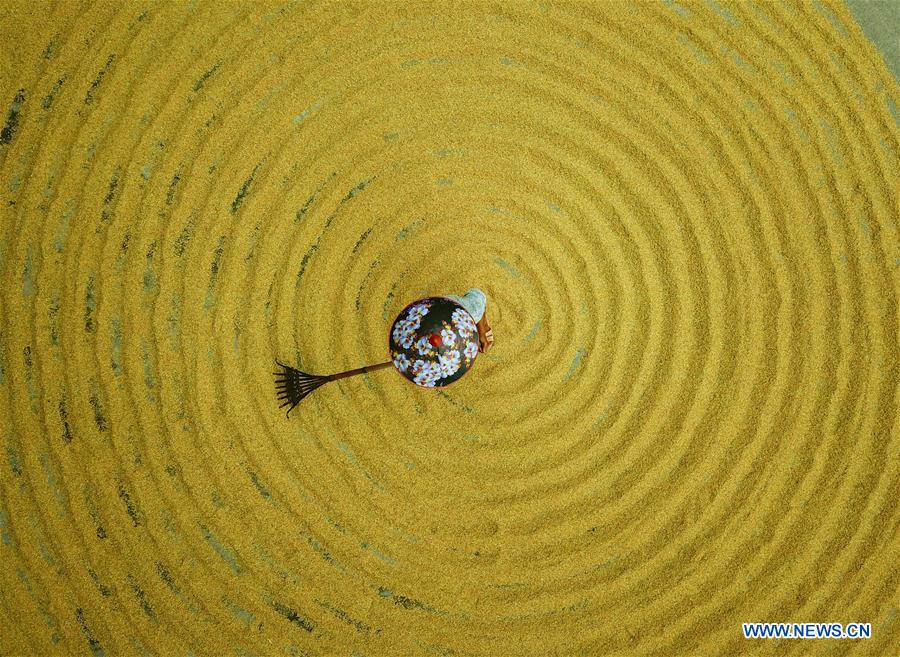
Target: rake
<point x="293" y="385"/>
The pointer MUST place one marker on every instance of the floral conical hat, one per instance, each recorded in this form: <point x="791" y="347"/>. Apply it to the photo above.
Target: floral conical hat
<point x="433" y="341"/>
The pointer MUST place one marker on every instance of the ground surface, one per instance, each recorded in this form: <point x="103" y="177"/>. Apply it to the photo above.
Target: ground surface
<point x="684" y="216"/>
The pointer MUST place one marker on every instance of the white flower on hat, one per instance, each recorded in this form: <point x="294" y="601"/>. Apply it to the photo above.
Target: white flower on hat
<point x="463" y="322"/>
<point x="471" y="350"/>
<point x="448" y="336"/>
<point x="417" y="312"/>
<point x="424" y="347"/>
<point x="401" y="362"/>
<point x="427" y="373"/>
<point x="449" y="362"/>
<point x="404" y="333"/>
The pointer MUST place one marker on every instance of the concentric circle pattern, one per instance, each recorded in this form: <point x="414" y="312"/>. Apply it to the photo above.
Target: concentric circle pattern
<point x="685" y="219"/>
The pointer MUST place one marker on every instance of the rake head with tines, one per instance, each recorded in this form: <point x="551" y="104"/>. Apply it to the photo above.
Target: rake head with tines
<point x="293" y="386"/>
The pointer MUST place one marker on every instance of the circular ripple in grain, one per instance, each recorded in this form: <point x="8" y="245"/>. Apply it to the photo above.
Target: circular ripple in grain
<point x="685" y="220"/>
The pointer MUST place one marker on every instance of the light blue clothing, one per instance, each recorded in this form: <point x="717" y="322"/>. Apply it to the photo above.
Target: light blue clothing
<point x="473" y="300"/>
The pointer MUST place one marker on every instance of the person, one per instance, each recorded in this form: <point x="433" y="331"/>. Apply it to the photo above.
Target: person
<point x="475" y="302"/>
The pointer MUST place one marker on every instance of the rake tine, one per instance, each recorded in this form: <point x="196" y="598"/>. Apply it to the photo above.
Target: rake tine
<point x="292" y="385"/>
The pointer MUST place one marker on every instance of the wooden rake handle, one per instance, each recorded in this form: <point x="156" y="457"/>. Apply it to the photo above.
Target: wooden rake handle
<point x="360" y="370"/>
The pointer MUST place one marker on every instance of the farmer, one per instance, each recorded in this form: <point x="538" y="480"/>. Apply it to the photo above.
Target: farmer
<point x="475" y="302"/>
